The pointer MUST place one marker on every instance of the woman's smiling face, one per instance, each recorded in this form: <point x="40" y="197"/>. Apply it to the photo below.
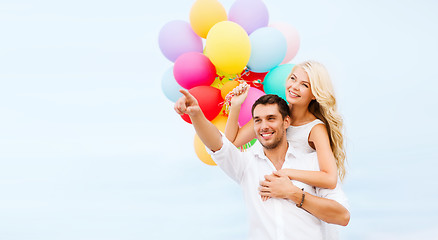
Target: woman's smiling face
<point x="298" y="89"/>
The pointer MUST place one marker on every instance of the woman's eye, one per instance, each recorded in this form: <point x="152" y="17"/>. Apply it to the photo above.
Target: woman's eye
<point x="305" y="85"/>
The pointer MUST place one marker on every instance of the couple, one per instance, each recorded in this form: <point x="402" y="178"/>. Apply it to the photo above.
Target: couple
<point x="278" y="207"/>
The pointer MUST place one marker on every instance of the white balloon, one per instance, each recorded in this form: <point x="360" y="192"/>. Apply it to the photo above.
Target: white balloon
<point x="169" y="86"/>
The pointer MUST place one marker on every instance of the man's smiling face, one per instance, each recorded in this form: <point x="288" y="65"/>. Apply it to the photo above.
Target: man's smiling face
<point x="269" y="126"/>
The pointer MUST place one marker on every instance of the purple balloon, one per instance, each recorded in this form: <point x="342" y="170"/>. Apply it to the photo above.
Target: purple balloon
<point x="250" y="14"/>
<point x="176" y="38"/>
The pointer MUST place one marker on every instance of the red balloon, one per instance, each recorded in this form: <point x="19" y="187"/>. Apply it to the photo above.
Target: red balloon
<point x="254" y="79"/>
<point x="209" y="99"/>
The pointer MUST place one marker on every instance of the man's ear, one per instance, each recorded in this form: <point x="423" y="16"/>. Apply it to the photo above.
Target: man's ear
<point x="286" y="122"/>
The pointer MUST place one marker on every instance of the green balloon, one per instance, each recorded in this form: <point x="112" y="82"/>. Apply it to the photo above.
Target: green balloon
<point x="275" y="80"/>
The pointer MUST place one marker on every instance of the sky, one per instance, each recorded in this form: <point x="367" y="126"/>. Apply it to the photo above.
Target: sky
<point x="90" y="147"/>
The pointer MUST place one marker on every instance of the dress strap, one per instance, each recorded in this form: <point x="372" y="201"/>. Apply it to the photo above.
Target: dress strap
<point x="312" y="124"/>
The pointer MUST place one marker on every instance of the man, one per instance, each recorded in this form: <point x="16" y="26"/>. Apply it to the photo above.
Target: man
<point x="292" y="213"/>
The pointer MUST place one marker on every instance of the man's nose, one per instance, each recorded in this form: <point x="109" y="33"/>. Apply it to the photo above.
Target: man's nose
<point x="264" y="125"/>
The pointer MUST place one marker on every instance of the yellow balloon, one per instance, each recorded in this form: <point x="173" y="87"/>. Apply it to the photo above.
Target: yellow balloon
<point x="228" y="47"/>
<point x="205" y="14"/>
<point x="202" y="153"/>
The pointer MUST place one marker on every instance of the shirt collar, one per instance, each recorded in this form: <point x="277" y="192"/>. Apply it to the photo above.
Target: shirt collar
<point x="257" y="150"/>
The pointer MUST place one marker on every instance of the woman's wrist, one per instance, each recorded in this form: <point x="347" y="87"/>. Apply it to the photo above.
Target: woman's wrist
<point x="290" y="173"/>
<point x="235" y="107"/>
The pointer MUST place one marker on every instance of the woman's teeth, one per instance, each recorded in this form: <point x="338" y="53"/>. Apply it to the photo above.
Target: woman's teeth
<point x="293" y="94"/>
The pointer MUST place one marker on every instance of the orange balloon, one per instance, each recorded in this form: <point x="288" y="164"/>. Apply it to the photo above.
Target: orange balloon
<point x="228" y="87"/>
<point x="220" y="121"/>
<point x="205" y="14"/>
<point x="202" y="153"/>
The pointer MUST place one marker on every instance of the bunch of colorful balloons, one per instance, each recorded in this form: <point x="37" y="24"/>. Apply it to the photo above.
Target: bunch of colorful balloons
<point x="239" y="46"/>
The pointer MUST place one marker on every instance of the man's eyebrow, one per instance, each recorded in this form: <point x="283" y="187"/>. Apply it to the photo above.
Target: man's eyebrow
<point x="266" y="116"/>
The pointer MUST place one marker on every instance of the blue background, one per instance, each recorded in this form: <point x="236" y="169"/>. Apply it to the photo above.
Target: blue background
<point x="90" y="148"/>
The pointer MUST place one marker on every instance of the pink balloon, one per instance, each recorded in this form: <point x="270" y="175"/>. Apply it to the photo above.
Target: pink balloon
<point x="194" y="69"/>
<point x="292" y="38"/>
<point x="245" y="110"/>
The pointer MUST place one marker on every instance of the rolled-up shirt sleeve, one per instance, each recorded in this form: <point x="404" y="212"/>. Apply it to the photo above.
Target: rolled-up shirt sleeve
<point x="230" y="159"/>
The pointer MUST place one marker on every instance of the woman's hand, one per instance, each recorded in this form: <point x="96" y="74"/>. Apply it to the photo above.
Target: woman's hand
<point x="287" y="172"/>
<point x="240" y="93"/>
<point x="276" y="185"/>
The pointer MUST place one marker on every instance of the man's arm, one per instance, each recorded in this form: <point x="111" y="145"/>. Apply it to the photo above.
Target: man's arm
<point x="207" y="132"/>
<point x="328" y="210"/>
<point x="224" y="154"/>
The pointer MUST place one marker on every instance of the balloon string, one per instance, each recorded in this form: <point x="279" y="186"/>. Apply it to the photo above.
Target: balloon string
<point x="230" y="95"/>
<point x="239" y="77"/>
<point x="256" y="82"/>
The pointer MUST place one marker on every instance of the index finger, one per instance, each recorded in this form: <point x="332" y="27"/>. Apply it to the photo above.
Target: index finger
<point x="186" y="94"/>
<point x="264" y="183"/>
<point x="269" y="177"/>
<point x="279" y="174"/>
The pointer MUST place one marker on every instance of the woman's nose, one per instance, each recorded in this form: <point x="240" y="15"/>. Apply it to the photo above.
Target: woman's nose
<point x="295" y="85"/>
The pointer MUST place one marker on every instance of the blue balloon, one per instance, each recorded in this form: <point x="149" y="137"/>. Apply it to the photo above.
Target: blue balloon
<point x="268" y="49"/>
<point x="275" y="80"/>
<point x="169" y="86"/>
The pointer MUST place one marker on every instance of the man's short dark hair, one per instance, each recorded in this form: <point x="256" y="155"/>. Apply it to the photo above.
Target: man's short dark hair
<point x="283" y="108"/>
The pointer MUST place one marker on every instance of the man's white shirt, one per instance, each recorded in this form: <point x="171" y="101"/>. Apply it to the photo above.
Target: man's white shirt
<point x="275" y="218"/>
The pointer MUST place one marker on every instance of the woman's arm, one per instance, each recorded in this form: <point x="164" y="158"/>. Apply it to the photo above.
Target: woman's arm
<point x="327" y="176"/>
<point x="238" y="136"/>
<point x="328" y="210"/>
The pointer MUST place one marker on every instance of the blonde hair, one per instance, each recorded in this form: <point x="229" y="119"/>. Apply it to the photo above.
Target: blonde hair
<point x="325" y="109"/>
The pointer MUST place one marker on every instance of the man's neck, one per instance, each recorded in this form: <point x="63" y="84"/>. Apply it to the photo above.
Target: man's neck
<point x="277" y="155"/>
